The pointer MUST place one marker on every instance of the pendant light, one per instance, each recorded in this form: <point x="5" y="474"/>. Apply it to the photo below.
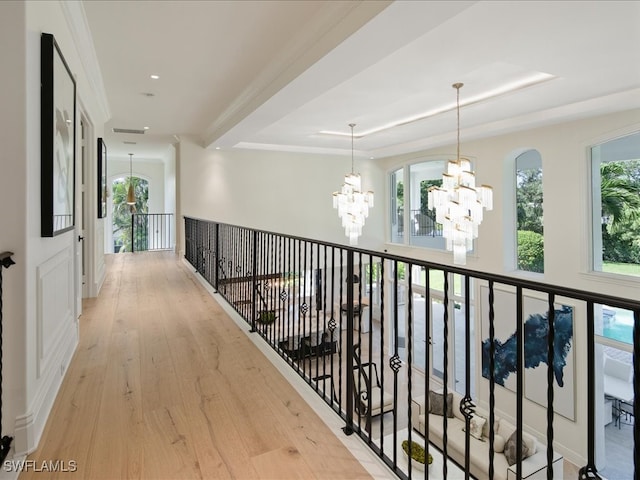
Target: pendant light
<point x="352" y="203"/>
<point x="131" y="198"/>
<point x="458" y="202"/>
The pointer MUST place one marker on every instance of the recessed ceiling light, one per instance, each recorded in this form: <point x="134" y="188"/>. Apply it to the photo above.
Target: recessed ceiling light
<point x="155" y="77"/>
<point x="217" y="148"/>
<point x="146" y="128"/>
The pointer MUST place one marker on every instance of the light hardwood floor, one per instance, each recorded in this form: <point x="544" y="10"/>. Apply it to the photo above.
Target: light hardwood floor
<point x="164" y="385"/>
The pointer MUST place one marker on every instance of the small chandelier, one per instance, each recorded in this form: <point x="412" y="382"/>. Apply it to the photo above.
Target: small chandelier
<point x="352" y="204"/>
<point x="131" y="198"/>
<point x="459" y="203"/>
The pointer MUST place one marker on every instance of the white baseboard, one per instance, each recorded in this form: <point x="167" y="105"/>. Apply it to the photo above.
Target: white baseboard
<point x="30" y="425"/>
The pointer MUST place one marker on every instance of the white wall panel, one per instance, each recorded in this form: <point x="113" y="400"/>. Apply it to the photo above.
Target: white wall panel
<point x="55" y="296"/>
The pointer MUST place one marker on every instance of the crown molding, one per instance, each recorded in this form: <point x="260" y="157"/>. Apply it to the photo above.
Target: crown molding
<point x="80" y="32"/>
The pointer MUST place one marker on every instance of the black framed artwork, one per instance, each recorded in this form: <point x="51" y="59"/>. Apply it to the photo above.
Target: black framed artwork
<point x="102" y="178"/>
<point x="58" y="135"/>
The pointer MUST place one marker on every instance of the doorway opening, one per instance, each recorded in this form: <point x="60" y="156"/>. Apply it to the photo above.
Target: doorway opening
<point x="122" y="225"/>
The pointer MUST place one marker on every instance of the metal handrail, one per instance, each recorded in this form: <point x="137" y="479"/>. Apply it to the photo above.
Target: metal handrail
<point x="251" y="253"/>
<point x="151" y="231"/>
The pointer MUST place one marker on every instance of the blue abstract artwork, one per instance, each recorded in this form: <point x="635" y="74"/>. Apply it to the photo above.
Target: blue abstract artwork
<point x="536" y="337"/>
<point x="536" y="334"/>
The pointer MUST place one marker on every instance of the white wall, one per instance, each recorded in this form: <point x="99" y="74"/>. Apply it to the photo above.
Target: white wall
<point x="275" y="191"/>
<point x="41" y="330"/>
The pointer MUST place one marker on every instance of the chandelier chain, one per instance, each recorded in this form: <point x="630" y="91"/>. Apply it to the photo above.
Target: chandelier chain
<point x="352" y="125"/>
<point x="458" y="110"/>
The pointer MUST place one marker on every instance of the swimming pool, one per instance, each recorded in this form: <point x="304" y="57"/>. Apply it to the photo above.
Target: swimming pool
<point x="620" y="327"/>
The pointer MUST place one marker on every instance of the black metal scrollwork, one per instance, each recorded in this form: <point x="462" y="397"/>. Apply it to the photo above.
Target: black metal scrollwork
<point x="467" y="407"/>
<point x="395" y="363"/>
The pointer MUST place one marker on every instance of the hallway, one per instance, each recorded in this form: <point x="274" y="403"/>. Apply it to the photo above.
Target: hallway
<point x="164" y="385"/>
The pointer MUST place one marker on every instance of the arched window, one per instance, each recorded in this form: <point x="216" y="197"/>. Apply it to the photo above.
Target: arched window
<point x="122" y="211"/>
<point x="529" y="212"/>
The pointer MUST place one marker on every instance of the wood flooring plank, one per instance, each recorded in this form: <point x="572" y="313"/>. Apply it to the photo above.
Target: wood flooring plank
<point x="220" y="447"/>
<point x="116" y="446"/>
<point x="283" y="463"/>
<point x="169" y="448"/>
<point x="164" y="385"/>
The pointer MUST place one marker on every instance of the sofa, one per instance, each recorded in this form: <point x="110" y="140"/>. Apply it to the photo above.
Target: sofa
<point x="534" y="466"/>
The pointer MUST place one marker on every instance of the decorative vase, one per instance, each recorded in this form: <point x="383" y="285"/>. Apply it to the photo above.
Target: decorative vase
<point x="267" y="317"/>
<point x="415" y="464"/>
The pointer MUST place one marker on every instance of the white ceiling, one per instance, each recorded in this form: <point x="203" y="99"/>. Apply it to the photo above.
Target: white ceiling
<point x="274" y="74"/>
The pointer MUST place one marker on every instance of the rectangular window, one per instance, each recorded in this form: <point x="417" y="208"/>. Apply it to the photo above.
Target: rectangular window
<point x="397" y="206"/>
<point x="423" y="229"/>
<point x="616" y="205"/>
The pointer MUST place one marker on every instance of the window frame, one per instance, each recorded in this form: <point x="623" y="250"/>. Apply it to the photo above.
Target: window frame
<point x="594" y="218"/>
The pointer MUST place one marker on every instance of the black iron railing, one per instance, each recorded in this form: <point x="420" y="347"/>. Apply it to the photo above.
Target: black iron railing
<point x="5" y="441"/>
<point x="151" y="231"/>
<point x="424" y="224"/>
<point x="348" y="321"/>
<point x="421" y="223"/>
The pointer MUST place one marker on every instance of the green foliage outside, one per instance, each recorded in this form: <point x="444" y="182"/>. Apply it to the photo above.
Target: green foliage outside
<point x="401" y="270"/>
<point x="621" y="268"/>
<point x="529" y="217"/>
<point x="620" y="192"/>
<point x="400" y="195"/>
<point x="529" y="200"/>
<point x="122" y="211"/>
<point x="530" y="251"/>
<point x="373" y="273"/>
<point x="425" y="185"/>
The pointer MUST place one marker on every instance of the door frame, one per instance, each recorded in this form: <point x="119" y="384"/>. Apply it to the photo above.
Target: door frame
<point x="86" y="169"/>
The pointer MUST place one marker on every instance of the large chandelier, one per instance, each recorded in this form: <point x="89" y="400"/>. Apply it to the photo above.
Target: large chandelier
<point x="352" y="204"/>
<point x="459" y="203"/>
